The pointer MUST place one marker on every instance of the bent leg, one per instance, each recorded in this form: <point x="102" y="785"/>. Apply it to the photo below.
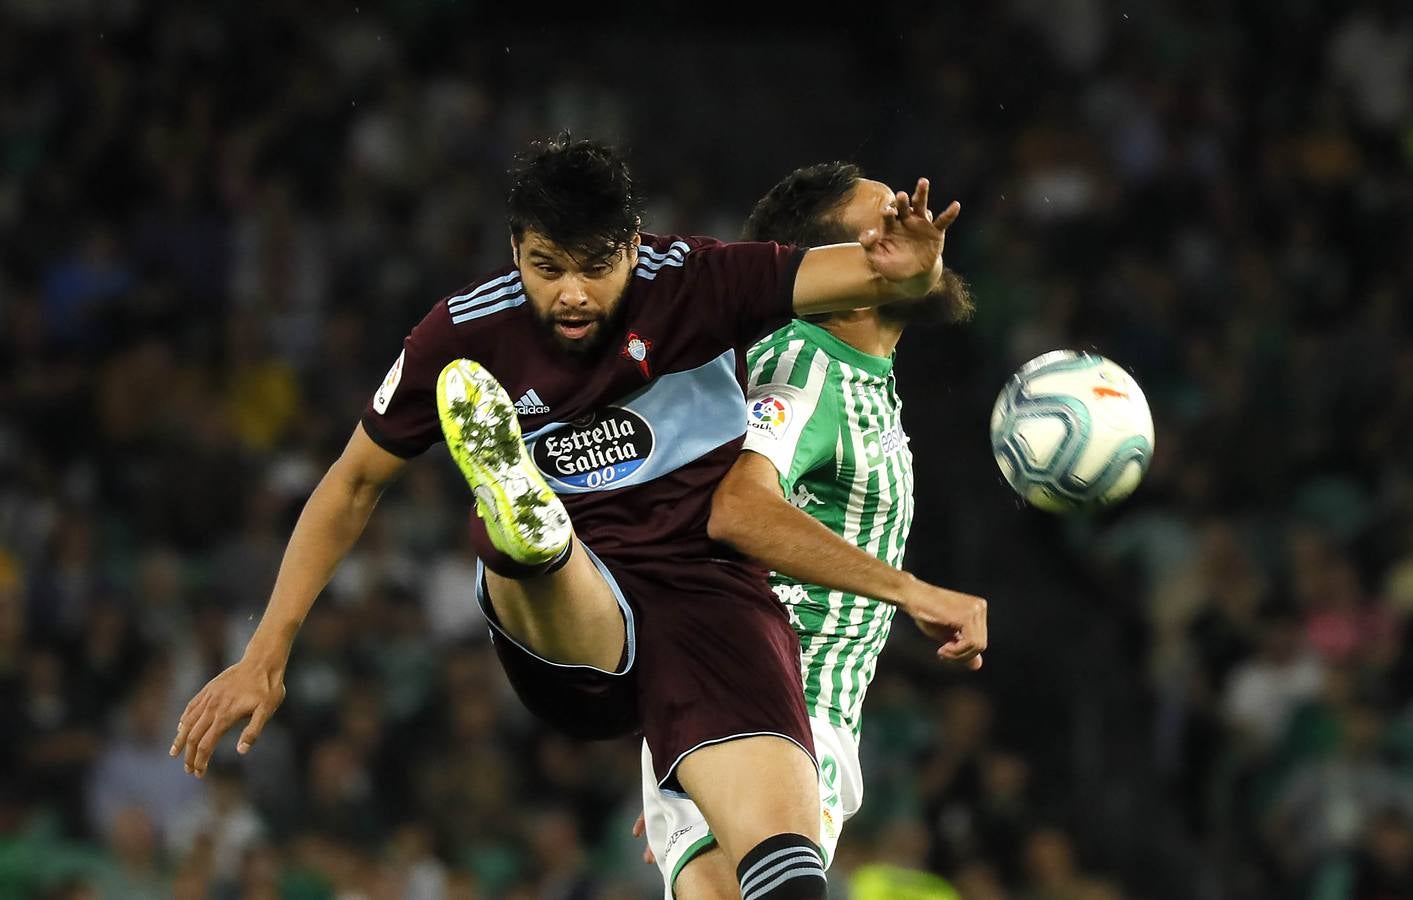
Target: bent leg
<point x="547" y="593"/>
<point x="571" y="616"/>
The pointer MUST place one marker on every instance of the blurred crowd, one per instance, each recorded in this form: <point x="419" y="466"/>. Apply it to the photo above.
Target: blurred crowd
<point x="218" y="220"/>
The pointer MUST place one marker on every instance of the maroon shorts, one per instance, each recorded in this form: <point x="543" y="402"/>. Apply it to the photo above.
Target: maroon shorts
<point x="710" y="656"/>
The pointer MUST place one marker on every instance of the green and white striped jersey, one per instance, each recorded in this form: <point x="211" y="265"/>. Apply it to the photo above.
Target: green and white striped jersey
<point x="827" y="416"/>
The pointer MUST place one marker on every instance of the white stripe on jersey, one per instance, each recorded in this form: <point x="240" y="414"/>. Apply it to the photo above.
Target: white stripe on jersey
<point x="653" y="263"/>
<point x="479" y="311"/>
<point x="678" y="249"/>
<point x="787" y="360"/>
<point x="651" y="260"/>
<point x="853" y="515"/>
<point x="758" y="369"/>
<point x="849" y="676"/>
<point x="835" y="674"/>
<point x="511" y="290"/>
<point x="478" y="293"/>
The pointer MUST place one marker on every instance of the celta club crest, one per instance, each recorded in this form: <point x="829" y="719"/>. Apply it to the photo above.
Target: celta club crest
<point x="636" y="348"/>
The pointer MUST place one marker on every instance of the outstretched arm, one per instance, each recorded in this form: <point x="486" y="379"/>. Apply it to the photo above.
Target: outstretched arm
<point x="750" y="513"/>
<point x="332" y="520"/>
<point x="902" y="261"/>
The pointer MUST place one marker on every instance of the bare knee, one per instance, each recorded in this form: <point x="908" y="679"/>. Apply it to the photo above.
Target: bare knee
<point x="751" y="789"/>
<point x="709" y="876"/>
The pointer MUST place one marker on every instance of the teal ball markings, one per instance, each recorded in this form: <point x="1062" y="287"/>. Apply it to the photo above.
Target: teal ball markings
<point x="1071" y="431"/>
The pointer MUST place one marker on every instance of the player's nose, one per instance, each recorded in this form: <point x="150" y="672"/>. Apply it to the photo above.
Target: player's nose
<point x="572" y="293"/>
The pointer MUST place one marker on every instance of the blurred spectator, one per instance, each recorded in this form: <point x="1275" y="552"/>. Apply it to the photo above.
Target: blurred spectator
<point x="78" y="287"/>
<point x="342" y="801"/>
<point x="416" y="871"/>
<point x="160" y="589"/>
<point x="1052" y="873"/>
<point x="135" y="870"/>
<point x="1384" y="866"/>
<point x="1372" y="57"/>
<point x="226" y="819"/>
<point x="451" y="609"/>
<point x="1264" y="691"/>
<point x="135" y="772"/>
<point x="979" y="881"/>
<point x="54" y="728"/>
<point x="66" y="587"/>
<point x="258" y="877"/>
<point x="244" y="566"/>
<point x="1326" y="804"/>
<point x="1342" y="624"/>
<point x="558" y="858"/>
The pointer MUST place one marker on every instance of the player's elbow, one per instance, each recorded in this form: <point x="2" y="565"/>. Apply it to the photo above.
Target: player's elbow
<point x="352" y="486"/>
<point x="725" y="524"/>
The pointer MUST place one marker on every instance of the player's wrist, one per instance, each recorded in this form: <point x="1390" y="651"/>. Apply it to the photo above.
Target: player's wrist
<point x="922" y="284"/>
<point x="268" y="653"/>
<point x="271" y="665"/>
<point x="901" y="590"/>
<point x="934" y="278"/>
<point x="929" y="281"/>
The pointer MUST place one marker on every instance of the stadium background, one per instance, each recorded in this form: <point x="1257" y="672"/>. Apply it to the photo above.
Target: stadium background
<point x="218" y="220"/>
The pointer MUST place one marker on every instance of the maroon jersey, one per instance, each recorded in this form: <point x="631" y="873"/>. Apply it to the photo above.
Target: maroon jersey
<point x="635" y="436"/>
<point x="634" y="439"/>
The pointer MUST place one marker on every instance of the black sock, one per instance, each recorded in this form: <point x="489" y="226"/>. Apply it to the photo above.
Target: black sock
<point x="783" y="867"/>
<point x="558" y="562"/>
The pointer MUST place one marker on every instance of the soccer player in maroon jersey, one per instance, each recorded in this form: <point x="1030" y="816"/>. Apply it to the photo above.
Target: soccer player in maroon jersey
<point x="611" y="608"/>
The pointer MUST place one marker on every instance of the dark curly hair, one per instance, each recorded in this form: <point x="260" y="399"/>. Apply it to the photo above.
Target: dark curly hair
<point x="577" y="193"/>
<point x="803" y="210"/>
<point x="799" y="210"/>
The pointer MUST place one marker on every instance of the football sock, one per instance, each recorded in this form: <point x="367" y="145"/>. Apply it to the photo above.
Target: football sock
<point x="558" y="562"/>
<point x="502" y="564"/>
<point x="783" y="867"/>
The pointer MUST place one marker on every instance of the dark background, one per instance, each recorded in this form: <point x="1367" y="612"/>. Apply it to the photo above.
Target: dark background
<point x="218" y="220"/>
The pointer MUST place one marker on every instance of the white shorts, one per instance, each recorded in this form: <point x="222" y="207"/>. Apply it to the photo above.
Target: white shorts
<point x="677" y="833"/>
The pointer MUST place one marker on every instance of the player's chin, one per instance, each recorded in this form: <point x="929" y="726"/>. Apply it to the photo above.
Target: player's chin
<point x="578" y="338"/>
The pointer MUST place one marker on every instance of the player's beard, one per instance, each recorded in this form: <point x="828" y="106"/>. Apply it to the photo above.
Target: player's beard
<point x="947" y="306"/>
<point x="604" y="325"/>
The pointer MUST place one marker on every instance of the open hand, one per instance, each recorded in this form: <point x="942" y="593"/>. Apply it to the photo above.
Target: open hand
<point x="245" y="690"/>
<point x="909" y="245"/>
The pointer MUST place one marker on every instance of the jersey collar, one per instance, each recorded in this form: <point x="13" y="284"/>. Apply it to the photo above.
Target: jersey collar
<point x="845" y="352"/>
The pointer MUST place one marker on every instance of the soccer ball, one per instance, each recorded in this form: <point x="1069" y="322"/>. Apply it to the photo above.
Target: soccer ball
<point x="1072" y="431"/>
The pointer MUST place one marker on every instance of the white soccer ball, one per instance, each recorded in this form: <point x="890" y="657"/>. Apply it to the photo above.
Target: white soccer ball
<point x="1072" y="431"/>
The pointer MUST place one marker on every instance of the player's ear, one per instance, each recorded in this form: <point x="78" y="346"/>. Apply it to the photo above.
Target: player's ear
<point x="633" y="247"/>
<point x="515" y="250"/>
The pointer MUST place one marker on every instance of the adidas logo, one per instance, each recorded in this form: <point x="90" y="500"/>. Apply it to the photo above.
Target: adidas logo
<point x="530" y="404"/>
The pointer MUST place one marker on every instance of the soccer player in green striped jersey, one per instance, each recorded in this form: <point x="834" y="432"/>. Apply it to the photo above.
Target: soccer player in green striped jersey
<point x="823" y="495"/>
